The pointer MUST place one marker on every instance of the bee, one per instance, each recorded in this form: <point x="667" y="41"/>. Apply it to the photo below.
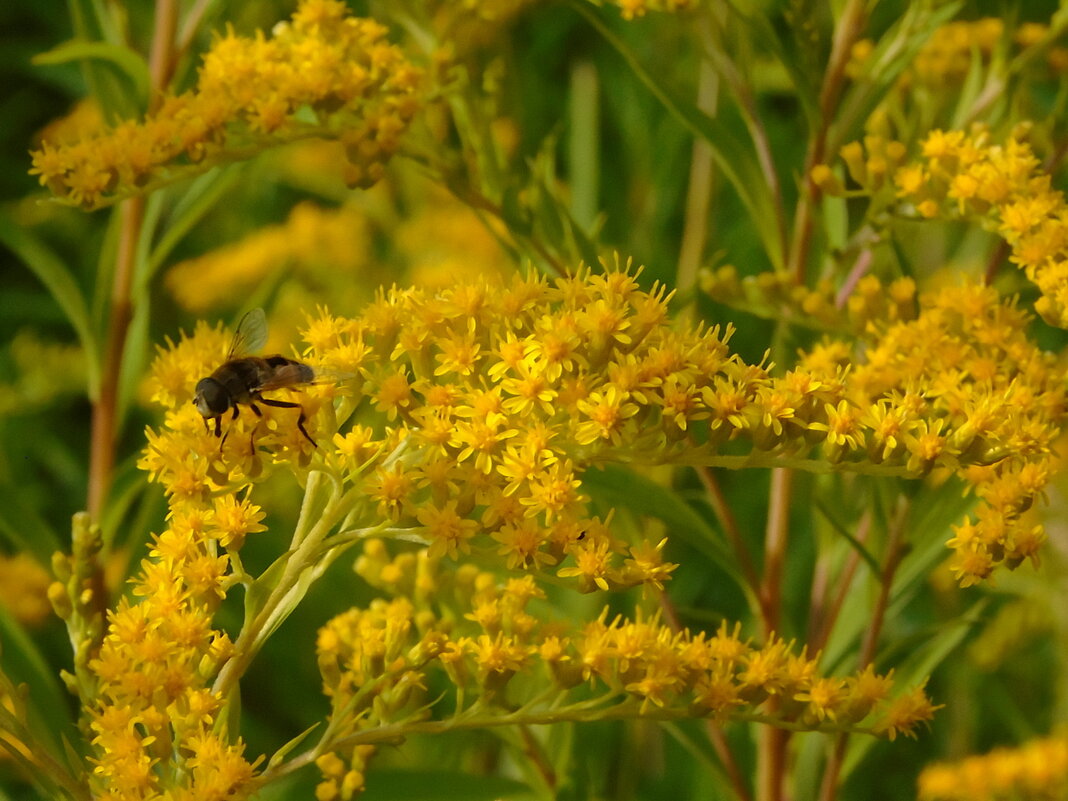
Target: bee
<point x="243" y="378"/>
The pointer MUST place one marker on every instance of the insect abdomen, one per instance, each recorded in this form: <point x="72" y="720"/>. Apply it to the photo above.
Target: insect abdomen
<point x="296" y="372"/>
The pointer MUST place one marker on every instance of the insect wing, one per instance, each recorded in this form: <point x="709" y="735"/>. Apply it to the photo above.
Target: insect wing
<point x="290" y="374"/>
<point x="251" y="334"/>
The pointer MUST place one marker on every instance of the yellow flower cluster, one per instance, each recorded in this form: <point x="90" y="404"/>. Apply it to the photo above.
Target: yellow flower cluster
<point x="323" y="74"/>
<point x="315" y="240"/>
<point x="1003" y="185"/>
<point x="956" y="385"/>
<point x="158" y="720"/>
<point x="1035" y="771"/>
<point x="963" y="388"/>
<point x="508" y="666"/>
<point x="478" y="408"/>
<point x="321" y="252"/>
<point x="158" y="726"/>
<point x="459" y="422"/>
<point x="777" y="296"/>
<point x="632" y="9"/>
<point x="24" y="589"/>
<point x="947" y="57"/>
<point x="43" y="371"/>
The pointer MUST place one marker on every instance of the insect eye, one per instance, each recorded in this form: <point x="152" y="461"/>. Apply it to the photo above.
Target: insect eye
<point x="210" y="398"/>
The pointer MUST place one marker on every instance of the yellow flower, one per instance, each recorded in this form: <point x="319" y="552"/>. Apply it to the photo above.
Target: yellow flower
<point x="24" y="589"/>
<point x="1036" y="769"/>
<point x="322" y="74"/>
<point x="447" y="532"/>
<point x="906" y="712"/>
<point x="606" y="414"/>
<point x="591" y="567"/>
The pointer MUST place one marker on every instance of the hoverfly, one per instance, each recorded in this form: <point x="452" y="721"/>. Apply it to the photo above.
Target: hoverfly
<point x="243" y="378"/>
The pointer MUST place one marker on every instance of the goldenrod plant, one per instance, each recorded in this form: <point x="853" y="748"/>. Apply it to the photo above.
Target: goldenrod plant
<point x="660" y="400"/>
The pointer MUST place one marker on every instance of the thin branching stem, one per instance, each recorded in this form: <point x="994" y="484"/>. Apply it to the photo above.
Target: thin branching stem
<point x="731" y="530"/>
<point x="896" y="547"/>
<point x="712" y="727"/>
<point x="772" y="745"/>
<point x="822" y="616"/>
<point x="695" y="230"/>
<point x="848" y="30"/>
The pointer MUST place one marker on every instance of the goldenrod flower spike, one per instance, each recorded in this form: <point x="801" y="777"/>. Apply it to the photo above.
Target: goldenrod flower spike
<point x="323" y="74"/>
<point x="443" y="443"/>
<point x="1003" y="186"/>
<point x="948" y="381"/>
<point x="1036" y="770"/>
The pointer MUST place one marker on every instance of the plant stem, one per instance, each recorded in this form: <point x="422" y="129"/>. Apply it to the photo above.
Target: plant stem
<point x="699" y="191"/>
<point x="161" y="58"/>
<point x="715" y="731"/>
<point x="771" y="756"/>
<point x="726" y="519"/>
<point x="896" y="547"/>
<point x="847" y="31"/>
<point x="821" y="617"/>
<point x="475" y="718"/>
<point x="105" y="409"/>
<point x="304" y="557"/>
<point x="776" y="536"/>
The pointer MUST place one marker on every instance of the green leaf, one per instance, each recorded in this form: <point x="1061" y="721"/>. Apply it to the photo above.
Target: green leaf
<point x="278" y="756"/>
<point x="970" y="89"/>
<point x="765" y="33"/>
<point x="939" y="508"/>
<point x="267" y="584"/>
<point x="23" y="528"/>
<point x="700" y="750"/>
<point x="263" y="585"/>
<point x="97" y="20"/>
<point x="734" y="156"/>
<point x="53" y="273"/>
<point x="926" y="652"/>
<point x="894" y="51"/>
<point x="129" y="63"/>
<point x="843" y="531"/>
<point x="389" y="785"/>
<point x="127" y="485"/>
<point x="625" y="489"/>
<point x="197" y="199"/>
<point x="24" y="663"/>
<point x="934" y="510"/>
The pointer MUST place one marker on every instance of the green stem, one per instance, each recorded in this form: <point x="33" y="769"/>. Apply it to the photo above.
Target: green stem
<point x="478" y="717"/>
<point x="771" y="757"/>
<point x="896" y="548"/>
<point x="734" y="536"/>
<point x="847" y="31"/>
<point x="307" y="540"/>
<point x="584" y="143"/>
<point x="695" y="230"/>
<point x="823" y="618"/>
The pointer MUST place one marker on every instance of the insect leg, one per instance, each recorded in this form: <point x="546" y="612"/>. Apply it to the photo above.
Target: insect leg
<point x="300" y="420"/>
<point x="252" y="436"/>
